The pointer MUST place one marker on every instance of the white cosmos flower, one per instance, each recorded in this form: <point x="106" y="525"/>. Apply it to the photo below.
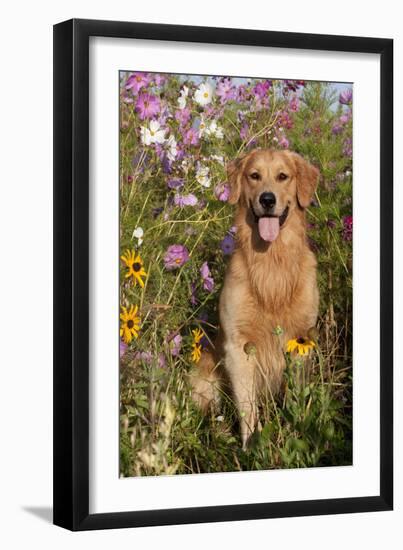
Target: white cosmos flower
<point x="202" y="176"/>
<point x="204" y="94"/>
<point x="182" y="98"/>
<point x="138" y="234"/>
<point x="172" y="148"/>
<point x="153" y="134"/>
<point x="218" y="158"/>
<point x="214" y="130"/>
<point x="202" y="127"/>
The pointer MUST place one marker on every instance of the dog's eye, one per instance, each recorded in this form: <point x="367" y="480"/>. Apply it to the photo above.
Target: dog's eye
<point x="255" y="176"/>
<point x="282" y="176"/>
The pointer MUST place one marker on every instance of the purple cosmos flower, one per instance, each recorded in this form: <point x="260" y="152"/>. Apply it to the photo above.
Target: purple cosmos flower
<point x="147" y="106"/>
<point x="337" y="129"/>
<point x="122" y="348"/>
<point x="261" y="89"/>
<point x="208" y="281"/>
<point x="175" y="256"/>
<point x="228" y="245"/>
<point x="348" y="147"/>
<point x="175" y="344"/>
<point x="221" y="191"/>
<point x="346" y="96"/>
<point x="225" y="90"/>
<point x="175" y="183"/>
<point x="283" y="141"/>
<point x="191" y="137"/>
<point x="185" y="200"/>
<point x="136" y="81"/>
<point x="348" y="228"/>
<point x="183" y="116"/>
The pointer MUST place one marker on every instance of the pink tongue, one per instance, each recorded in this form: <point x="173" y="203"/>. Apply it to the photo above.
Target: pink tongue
<point x="269" y="228"/>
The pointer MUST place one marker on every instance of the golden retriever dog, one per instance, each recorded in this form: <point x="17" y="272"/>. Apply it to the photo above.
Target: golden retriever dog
<point x="270" y="282"/>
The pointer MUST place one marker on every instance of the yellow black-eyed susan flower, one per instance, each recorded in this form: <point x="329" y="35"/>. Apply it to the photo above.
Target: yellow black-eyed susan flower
<point x="301" y="345"/>
<point x="129" y="323"/>
<point x="134" y="264"/>
<point x="196" y="345"/>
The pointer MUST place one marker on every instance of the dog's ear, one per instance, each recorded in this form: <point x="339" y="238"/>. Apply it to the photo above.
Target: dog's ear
<point x="307" y="180"/>
<point x="234" y="177"/>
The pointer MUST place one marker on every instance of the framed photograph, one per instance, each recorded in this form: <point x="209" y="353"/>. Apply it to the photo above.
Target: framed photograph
<point x="223" y="293"/>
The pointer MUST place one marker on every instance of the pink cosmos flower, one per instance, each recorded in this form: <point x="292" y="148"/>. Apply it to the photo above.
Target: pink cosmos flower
<point x="283" y="141"/>
<point x="183" y="116"/>
<point x="175" y="344"/>
<point x="191" y="137"/>
<point x="261" y="89"/>
<point x="136" y="81"/>
<point x="147" y="105"/>
<point x="345" y="118"/>
<point x="226" y="90"/>
<point x="208" y="281"/>
<point x="221" y="191"/>
<point x="175" y="256"/>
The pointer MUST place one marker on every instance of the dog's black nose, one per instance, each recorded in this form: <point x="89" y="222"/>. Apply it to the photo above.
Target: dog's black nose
<point x="267" y="200"/>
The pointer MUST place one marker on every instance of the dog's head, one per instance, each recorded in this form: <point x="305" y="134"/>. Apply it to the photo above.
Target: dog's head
<point x="271" y="184"/>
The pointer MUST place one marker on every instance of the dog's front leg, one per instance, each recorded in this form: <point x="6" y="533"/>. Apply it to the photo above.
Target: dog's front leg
<point x="242" y="373"/>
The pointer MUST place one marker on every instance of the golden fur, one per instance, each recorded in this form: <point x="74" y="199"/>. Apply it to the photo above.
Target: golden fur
<point x="267" y="284"/>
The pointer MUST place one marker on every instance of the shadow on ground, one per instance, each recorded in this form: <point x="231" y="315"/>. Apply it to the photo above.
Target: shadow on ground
<point x="44" y="513"/>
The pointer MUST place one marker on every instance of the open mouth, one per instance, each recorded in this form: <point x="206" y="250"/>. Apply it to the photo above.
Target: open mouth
<point x="269" y="225"/>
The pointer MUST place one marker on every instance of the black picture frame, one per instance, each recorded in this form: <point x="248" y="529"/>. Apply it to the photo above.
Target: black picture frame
<point x="71" y="274"/>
